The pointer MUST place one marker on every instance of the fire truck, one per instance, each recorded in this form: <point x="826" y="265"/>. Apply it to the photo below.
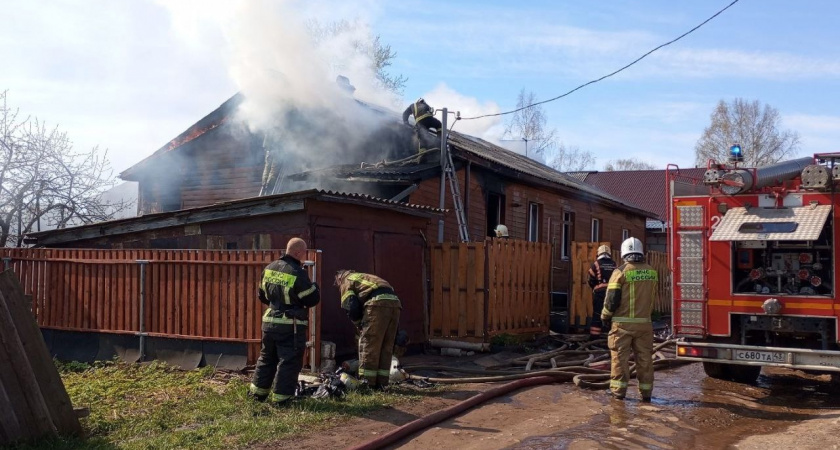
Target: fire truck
<point x="752" y="253"/>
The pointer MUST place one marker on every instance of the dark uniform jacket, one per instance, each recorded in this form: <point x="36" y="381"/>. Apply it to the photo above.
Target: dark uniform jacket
<point x="288" y="292"/>
<point x="420" y="110"/>
<point x="360" y="289"/>
<point x="600" y="272"/>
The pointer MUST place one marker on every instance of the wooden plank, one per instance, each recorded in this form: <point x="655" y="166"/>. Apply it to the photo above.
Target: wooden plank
<point x="27" y="353"/>
<point x="242" y="297"/>
<point x="10" y="428"/>
<point x="506" y="257"/>
<point x="435" y="316"/>
<point x="446" y="299"/>
<point x="201" y="312"/>
<point x="231" y="296"/>
<point x="461" y="293"/>
<point x="472" y="298"/>
<point x="480" y="296"/>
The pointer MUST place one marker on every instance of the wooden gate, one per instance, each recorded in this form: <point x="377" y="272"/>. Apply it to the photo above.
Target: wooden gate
<point x="484" y="289"/>
<point x="207" y="295"/>
<point x="583" y="254"/>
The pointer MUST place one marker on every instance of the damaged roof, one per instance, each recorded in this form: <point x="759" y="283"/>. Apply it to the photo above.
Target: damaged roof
<point x="249" y="207"/>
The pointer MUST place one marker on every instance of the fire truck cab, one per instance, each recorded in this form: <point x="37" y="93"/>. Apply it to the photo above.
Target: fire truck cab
<point x="752" y="253"/>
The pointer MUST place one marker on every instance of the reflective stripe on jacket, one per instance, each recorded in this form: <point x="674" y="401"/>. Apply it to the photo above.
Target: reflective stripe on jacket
<point x="631" y="293"/>
<point x="286" y="289"/>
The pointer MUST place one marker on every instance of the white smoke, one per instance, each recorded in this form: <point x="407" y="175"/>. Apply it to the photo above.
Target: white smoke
<point x="489" y="128"/>
<point x="287" y="73"/>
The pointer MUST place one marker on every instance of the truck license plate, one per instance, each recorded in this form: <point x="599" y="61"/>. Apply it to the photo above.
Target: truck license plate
<point x="751" y="355"/>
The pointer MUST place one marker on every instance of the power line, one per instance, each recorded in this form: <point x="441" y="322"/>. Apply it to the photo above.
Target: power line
<point x="610" y="74"/>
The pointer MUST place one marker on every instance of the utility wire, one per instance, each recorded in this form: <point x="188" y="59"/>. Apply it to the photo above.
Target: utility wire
<point x="610" y="74"/>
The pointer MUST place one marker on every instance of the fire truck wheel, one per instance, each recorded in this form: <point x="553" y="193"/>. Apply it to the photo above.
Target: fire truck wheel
<point x="716" y="370"/>
<point x="744" y="374"/>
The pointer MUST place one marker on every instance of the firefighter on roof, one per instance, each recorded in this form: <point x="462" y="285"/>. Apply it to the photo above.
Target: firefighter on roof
<point x="424" y="115"/>
<point x="599" y="274"/>
<point x="370" y="303"/>
<point x="287" y="291"/>
<point x="631" y="294"/>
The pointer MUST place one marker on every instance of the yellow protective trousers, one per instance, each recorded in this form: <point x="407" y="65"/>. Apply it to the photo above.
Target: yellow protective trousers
<point x="376" y="342"/>
<point x="626" y="339"/>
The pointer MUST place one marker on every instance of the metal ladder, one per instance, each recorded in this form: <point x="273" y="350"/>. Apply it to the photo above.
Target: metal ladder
<point x="463" y="230"/>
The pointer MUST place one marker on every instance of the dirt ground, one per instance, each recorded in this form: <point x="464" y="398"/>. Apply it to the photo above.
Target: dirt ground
<point x="785" y="409"/>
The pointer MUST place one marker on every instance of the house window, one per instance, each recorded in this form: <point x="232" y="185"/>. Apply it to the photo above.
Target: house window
<point x="534" y="215"/>
<point x="625" y="234"/>
<point x="495" y="212"/>
<point x="596" y="230"/>
<point x="566" y="238"/>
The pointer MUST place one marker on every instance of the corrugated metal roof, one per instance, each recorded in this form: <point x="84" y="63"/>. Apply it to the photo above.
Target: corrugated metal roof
<point x="525" y="165"/>
<point x="270" y="204"/>
<point x="645" y="189"/>
<point x="804" y="223"/>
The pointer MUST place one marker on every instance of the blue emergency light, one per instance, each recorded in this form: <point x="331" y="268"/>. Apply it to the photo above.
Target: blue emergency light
<point x="735" y="154"/>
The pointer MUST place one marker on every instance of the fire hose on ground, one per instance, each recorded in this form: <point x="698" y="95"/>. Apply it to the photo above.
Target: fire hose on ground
<point x="561" y="371"/>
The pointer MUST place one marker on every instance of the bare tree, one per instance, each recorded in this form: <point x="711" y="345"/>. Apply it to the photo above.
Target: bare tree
<point x="570" y="159"/>
<point x="628" y="164"/>
<point x="381" y="55"/>
<point x="529" y="124"/>
<point x="43" y="181"/>
<point x="757" y="129"/>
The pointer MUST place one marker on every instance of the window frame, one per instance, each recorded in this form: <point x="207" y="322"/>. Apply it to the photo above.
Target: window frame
<point x="595" y="230"/>
<point x="534" y="219"/>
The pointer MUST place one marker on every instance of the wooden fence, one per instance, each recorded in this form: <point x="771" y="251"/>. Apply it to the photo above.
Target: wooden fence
<point x="583" y="254"/>
<point x="33" y="401"/>
<point x="187" y="294"/>
<point x="484" y="289"/>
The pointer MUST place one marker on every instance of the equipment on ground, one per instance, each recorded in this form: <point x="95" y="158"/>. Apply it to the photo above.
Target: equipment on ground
<point x="754" y="258"/>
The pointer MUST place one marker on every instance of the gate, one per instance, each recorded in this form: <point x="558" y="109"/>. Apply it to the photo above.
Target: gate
<point x="483" y="289"/>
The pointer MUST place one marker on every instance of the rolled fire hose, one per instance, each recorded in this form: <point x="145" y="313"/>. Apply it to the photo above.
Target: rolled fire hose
<point x="427" y="421"/>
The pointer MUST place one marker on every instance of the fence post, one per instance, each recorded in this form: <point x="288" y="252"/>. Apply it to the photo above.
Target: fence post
<point x="142" y="332"/>
<point x="313" y="317"/>
<point x="7" y="261"/>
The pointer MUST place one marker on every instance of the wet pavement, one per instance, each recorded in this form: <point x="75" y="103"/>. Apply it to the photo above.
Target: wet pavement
<point x="690" y="410"/>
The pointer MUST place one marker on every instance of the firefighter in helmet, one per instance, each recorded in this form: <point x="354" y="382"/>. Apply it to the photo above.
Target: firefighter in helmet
<point x="599" y="274"/>
<point x="288" y="292"/>
<point x="424" y="115"/>
<point x="631" y="293"/>
<point x="374" y="309"/>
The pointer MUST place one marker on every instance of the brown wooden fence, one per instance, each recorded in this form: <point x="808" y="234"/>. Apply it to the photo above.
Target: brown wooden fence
<point x="583" y="254"/>
<point x="187" y="294"/>
<point x="484" y="289"/>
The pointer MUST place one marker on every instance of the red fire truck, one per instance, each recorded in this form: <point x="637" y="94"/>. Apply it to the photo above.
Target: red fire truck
<point x="753" y="254"/>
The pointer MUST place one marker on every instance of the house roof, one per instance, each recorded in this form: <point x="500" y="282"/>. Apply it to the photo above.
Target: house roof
<point x="249" y="207"/>
<point x="648" y="187"/>
<point x="522" y="165"/>
<point x="209" y="122"/>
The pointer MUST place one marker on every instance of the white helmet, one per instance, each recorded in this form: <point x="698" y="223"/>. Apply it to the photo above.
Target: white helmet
<point x="501" y="231"/>
<point x="631" y="246"/>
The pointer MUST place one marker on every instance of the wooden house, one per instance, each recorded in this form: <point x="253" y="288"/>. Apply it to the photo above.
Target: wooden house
<point x="218" y="160"/>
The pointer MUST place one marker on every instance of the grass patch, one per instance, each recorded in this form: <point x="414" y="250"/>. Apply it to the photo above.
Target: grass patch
<point x="156" y="406"/>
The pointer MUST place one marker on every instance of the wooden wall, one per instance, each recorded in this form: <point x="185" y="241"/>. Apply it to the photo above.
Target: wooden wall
<point x="517" y="198"/>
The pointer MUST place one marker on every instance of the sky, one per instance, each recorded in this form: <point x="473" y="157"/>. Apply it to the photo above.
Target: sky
<point x="129" y="76"/>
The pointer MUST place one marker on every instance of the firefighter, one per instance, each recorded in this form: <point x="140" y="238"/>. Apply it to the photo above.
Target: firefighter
<point x="631" y="293"/>
<point x="501" y="231"/>
<point x="599" y="274"/>
<point x="288" y="292"/>
<point x="424" y="115"/>
<point x="374" y="309"/>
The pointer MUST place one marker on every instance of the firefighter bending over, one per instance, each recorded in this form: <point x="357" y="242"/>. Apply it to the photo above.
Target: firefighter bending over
<point x="631" y="294"/>
<point x="371" y="304"/>
<point x="599" y="274"/>
<point x="289" y="294"/>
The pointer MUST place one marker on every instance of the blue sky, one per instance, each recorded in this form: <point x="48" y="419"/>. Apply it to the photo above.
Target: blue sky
<point x="129" y="76"/>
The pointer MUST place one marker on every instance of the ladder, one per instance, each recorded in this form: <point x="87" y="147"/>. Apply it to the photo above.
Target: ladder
<point x="463" y="231"/>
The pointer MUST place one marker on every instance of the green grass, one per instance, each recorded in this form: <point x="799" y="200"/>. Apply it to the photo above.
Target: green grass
<point x="154" y="406"/>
